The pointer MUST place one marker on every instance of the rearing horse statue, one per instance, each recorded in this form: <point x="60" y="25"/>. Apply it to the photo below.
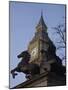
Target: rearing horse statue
<point x="24" y="66"/>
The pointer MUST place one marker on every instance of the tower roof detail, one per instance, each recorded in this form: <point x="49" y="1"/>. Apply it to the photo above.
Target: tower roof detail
<point x="41" y="22"/>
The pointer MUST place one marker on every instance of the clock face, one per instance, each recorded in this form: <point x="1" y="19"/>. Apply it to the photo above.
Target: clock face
<point x="34" y="52"/>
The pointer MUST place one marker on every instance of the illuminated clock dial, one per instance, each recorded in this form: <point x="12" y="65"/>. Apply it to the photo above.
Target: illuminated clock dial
<point x="34" y="52"/>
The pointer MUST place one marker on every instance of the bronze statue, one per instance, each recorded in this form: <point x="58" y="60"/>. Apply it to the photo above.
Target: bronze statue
<point x="31" y="69"/>
<point x="24" y="66"/>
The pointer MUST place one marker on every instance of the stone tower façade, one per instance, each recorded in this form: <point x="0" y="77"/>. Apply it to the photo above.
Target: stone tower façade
<point x="41" y="48"/>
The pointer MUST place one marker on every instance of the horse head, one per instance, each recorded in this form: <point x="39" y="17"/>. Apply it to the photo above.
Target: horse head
<point x="24" y="55"/>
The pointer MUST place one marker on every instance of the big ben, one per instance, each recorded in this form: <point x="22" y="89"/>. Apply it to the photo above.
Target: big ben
<point x="41" y="47"/>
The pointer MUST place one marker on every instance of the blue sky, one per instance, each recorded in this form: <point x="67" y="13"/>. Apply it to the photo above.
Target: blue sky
<point x="23" y="20"/>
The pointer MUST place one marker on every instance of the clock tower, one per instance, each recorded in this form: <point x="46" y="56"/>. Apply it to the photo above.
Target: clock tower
<point x="43" y="53"/>
<point x="41" y="48"/>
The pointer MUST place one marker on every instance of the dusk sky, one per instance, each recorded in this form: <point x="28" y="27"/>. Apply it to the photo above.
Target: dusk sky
<point x="23" y="19"/>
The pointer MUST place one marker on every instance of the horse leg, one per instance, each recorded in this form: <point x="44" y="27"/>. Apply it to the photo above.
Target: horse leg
<point x="13" y="72"/>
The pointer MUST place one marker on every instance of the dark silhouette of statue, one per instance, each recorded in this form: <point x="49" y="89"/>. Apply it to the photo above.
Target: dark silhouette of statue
<point x="31" y="69"/>
<point x="24" y="66"/>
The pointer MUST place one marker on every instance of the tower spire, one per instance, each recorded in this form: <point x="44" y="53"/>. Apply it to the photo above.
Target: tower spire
<point x="41" y="21"/>
<point x="41" y="13"/>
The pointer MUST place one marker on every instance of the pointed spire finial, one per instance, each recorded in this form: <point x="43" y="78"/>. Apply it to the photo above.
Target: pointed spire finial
<point x="41" y="21"/>
<point x="41" y="13"/>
